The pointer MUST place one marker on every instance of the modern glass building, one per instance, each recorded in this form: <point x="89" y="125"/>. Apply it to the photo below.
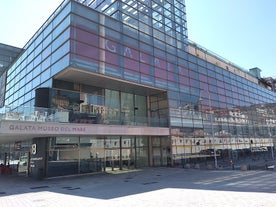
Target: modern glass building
<point x="116" y="84"/>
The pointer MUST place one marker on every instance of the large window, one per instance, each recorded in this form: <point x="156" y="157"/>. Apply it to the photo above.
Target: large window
<point x="72" y="155"/>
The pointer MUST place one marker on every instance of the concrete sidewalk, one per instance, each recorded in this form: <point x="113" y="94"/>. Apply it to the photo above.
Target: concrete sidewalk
<point x="147" y="187"/>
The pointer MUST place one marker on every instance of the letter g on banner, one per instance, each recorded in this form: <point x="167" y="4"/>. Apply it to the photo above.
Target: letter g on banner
<point x="33" y="150"/>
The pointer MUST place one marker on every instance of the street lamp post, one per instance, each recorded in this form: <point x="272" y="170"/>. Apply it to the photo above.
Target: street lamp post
<point x="212" y="129"/>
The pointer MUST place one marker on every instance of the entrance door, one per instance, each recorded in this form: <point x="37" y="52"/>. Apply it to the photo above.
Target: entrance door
<point x="112" y="154"/>
<point x="160" y="151"/>
<point x="129" y="156"/>
<point x="23" y="163"/>
<point x="119" y="153"/>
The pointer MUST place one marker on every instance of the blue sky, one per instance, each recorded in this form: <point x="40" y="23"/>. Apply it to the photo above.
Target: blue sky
<point x="20" y="19"/>
<point x="242" y="31"/>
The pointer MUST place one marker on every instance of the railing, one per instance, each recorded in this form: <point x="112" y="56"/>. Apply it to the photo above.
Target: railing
<point x="38" y="114"/>
<point x="196" y="45"/>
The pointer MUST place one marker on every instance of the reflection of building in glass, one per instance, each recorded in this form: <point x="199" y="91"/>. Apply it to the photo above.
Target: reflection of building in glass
<point x="106" y="85"/>
<point x="7" y="55"/>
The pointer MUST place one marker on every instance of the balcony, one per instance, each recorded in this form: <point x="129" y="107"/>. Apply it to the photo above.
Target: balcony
<point x="38" y="114"/>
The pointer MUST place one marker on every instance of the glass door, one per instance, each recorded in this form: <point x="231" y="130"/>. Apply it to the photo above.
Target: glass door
<point x="23" y="163"/>
<point x="161" y="151"/>
<point x="119" y="153"/>
<point x="128" y="153"/>
<point x="91" y="154"/>
<point x="112" y="153"/>
<point x="156" y="151"/>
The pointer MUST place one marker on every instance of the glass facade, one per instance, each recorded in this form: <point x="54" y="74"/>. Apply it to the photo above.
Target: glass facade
<point x="7" y="56"/>
<point x="206" y="102"/>
<point x="166" y="20"/>
<point x="100" y="106"/>
<point x="71" y="155"/>
<point x="127" y="63"/>
<point x="44" y="55"/>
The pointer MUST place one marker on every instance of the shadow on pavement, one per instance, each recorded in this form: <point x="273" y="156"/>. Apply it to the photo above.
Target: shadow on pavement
<point x="109" y="186"/>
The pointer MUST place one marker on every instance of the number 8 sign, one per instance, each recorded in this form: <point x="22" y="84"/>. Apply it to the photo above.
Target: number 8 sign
<point x="33" y="149"/>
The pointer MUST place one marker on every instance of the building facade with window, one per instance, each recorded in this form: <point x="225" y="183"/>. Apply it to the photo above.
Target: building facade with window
<point x="106" y="85"/>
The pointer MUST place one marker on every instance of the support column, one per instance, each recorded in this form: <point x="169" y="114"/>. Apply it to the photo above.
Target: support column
<point x="38" y="158"/>
<point x="121" y="154"/>
<point x="150" y="152"/>
<point x="135" y="152"/>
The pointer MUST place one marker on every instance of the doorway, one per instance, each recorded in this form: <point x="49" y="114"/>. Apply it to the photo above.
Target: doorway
<point x="119" y="153"/>
<point x="161" y="153"/>
<point x="23" y="163"/>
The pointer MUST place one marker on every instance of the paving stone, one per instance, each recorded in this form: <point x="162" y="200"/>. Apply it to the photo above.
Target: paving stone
<point x="168" y="187"/>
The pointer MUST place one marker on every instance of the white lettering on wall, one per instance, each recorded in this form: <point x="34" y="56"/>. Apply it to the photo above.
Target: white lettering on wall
<point x="110" y="47"/>
<point x="157" y="62"/>
<point x="128" y="52"/>
<point x="139" y="56"/>
<point x="30" y="128"/>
